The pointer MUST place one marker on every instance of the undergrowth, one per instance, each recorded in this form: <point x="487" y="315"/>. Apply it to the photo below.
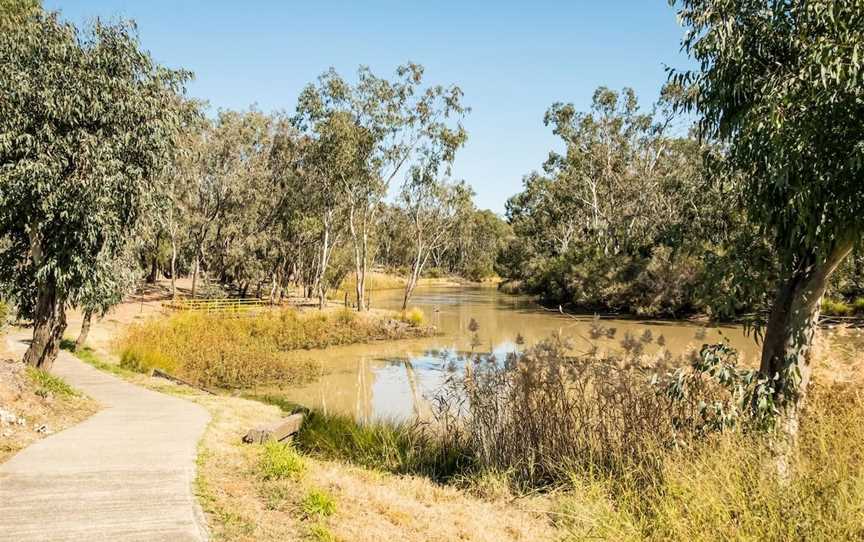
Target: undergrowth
<point x="626" y="455"/>
<point x="48" y="384"/>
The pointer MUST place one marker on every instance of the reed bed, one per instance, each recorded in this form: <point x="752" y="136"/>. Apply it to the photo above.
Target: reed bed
<point x="216" y="351"/>
<point x="618" y="457"/>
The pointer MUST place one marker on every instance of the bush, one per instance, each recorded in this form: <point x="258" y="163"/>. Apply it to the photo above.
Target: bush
<point x="4" y="314"/>
<point x="583" y="413"/>
<point x="642" y="462"/>
<point x="836" y="308"/>
<point x="413" y="317"/>
<point x="279" y="461"/>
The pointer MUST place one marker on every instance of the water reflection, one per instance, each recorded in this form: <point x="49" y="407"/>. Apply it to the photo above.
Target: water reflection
<point x="396" y="379"/>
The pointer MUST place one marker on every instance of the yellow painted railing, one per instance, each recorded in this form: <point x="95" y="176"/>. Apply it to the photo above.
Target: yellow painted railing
<point x="217" y="305"/>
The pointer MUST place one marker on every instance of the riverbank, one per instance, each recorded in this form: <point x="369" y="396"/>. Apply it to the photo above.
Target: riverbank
<point x="715" y="491"/>
<point x="213" y="350"/>
<point x="325" y="499"/>
<point x="255" y="492"/>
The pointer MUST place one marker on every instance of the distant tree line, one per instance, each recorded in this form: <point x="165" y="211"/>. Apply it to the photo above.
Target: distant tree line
<point x="640" y="215"/>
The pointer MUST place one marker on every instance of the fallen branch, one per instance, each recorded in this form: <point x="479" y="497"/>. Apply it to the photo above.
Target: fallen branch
<point x="172" y="378"/>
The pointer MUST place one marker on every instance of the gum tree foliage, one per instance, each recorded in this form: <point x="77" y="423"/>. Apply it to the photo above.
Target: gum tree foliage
<point x="394" y="124"/>
<point x="87" y="122"/>
<point x="620" y="219"/>
<point x="781" y="83"/>
<point x="433" y="207"/>
<point x="15" y="12"/>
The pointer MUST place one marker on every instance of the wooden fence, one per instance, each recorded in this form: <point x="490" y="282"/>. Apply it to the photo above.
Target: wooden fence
<point x="226" y="306"/>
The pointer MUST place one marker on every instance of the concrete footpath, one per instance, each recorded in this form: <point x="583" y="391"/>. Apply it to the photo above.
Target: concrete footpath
<point x="126" y="473"/>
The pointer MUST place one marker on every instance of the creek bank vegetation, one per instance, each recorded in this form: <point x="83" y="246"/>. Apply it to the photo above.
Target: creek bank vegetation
<point x="633" y="449"/>
<point x="215" y="351"/>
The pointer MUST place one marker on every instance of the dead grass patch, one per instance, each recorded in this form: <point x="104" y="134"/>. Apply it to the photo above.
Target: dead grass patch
<point x="35" y="404"/>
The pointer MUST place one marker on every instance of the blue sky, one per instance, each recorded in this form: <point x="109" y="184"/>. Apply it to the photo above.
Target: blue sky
<point x="512" y="59"/>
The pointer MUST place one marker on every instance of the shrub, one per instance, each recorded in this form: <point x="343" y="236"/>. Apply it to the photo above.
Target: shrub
<point x="858" y="306"/>
<point x="676" y="457"/>
<point x="413" y="317"/>
<point x="318" y="503"/>
<point x="836" y="308"/>
<point x="279" y="461"/>
<point x="4" y="313"/>
<point x="510" y="287"/>
<point x="583" y="413"/>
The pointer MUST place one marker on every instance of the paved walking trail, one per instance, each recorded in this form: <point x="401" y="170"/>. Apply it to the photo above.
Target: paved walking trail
<point x="125" y="473"/>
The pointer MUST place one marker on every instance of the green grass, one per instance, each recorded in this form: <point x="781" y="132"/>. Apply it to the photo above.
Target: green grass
<point x="833" y="307"/>
<point x="318" y="503"/>
<point x="321" y="533"/>
<point x="89" y="356"/>
<point x="384" y="445"/>
<point x="279" y="461"/>
<point x="401" y="448"/>
<point x="48" y="384"/>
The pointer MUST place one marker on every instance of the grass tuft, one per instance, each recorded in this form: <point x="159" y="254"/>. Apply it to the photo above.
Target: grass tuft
<point x="321" y="533"/>
<point x="396" y="447"/>
<point x="413" y="317"/>
<point x="279" y="461"/>
<point x="48" y="384"/>
<point x="318" y="503"/>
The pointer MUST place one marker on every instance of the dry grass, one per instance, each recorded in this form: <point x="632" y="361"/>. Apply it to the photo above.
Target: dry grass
<point x="242" y="503"/>
<point x="624" y="472"/>
<point x="725" y="488"/>
<point x="34" y="404"/>
<point x="213" y="350"/>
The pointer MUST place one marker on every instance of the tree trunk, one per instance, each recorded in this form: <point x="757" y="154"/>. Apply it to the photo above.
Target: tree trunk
<point x="416" y="269"/>
<point x="195" y="274"/>
<point x="85" y="330"/>
<point x="49" y="323"/>
<point x="786" y="350"/>
<point x="793" y="319"/>
<point x="173" y="267"/>
<point x="321" y="276"/>
<point x="154" y="271"/>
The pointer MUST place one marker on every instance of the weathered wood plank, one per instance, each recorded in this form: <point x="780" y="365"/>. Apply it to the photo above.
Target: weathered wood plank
<point x="280" y="430"/>
<point x="172" y="378"/>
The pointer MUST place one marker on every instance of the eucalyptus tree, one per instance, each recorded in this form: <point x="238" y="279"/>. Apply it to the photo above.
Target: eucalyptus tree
<point x="433" y="205"/>
<point x="109" y="281"/>
<point x="782" y="84"/>
<point x="231" y="156"/>
<point x="334" y="157"/>
<point x="87" y="123"/>
<point x="16" y="12"/>
<point x="395" y="123"/>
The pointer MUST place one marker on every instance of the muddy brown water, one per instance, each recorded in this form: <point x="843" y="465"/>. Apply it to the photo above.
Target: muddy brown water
<point x="395" y="380"/>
